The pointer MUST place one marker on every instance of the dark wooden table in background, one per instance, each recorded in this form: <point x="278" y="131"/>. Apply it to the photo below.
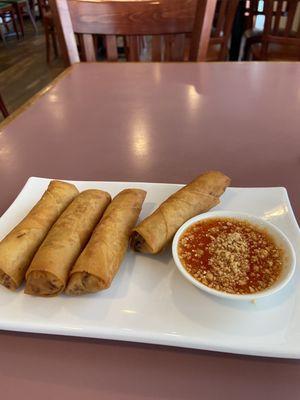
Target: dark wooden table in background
<point x="156" y="123"/>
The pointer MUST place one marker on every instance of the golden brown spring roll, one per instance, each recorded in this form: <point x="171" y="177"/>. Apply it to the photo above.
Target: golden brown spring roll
<point x="48" y="272"/>
<point x="19" y="246"/>
<point x="100" y="260"/>
<point x="155" y="232"/>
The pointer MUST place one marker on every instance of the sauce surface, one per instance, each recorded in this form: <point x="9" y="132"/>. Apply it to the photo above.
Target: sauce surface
<point x="230" y="255"/>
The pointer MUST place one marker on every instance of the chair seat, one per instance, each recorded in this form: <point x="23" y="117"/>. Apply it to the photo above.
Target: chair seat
<point x="277" y="52"/>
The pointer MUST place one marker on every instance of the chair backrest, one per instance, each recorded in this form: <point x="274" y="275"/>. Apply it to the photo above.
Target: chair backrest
<point x="222" y="24"/>
<point x="167" y="21"/>
<point x="282" y="24"/>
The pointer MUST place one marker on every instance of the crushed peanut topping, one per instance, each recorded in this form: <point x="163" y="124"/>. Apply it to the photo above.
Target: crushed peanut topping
<point x="230" y="255"/>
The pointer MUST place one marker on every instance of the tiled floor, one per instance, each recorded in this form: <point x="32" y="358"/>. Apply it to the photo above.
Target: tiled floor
<point x="23" y="67"/>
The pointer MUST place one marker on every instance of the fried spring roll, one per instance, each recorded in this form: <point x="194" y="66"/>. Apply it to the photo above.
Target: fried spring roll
<point x="48" y="272"/>
<point x="100" y="260"/>
<point x="156" y="231"/>
<point x="19" y="246"/>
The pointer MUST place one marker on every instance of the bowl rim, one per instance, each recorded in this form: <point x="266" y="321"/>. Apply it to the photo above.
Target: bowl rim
<point x="291" y="264"/>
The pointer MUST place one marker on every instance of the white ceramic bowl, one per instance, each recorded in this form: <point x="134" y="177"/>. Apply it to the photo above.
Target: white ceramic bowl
<point x="279" y="237"/>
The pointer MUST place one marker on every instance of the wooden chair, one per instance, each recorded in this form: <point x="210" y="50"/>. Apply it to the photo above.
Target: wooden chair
<point x="49" y="29"/>
<point x="222" y="26"/>
<point x="280" y="39"/>
<point x="22" y="7"/>
<point x="167" y="21"/>
<point x="7" y="12"/>
<point x="3" y="108"/>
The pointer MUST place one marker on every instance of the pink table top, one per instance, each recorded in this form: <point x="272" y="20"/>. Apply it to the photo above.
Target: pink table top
<point x="157" y="123"/>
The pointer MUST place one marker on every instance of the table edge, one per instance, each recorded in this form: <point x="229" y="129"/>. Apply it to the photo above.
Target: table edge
<point x="35" y="97"/>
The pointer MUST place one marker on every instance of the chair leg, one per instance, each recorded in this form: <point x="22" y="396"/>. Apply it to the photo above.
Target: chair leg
<point x="13" y="19"/>
<point x="54" y="42"/>
<point x="18" y="11"/>
<point x="32" y="8"/>
<point x="5" y="23"/>
<point x="2" y="32"/>
<point x="40" y="9"/>
<point x="3" y="108"/>
<point x="48" y="49"/>
<point x="31" y="16"/>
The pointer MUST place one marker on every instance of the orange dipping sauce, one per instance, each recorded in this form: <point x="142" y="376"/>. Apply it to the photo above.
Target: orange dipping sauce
<point x="230" y="255"/>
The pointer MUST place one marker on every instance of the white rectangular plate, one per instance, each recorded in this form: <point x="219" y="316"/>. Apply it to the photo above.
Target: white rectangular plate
<point x="149" y="300"/>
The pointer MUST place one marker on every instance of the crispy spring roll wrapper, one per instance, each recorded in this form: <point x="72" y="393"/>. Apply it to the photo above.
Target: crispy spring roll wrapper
<point x="155" y="232"/>
<point x="19" y="246"/>
<point x="100" y="260"/>
<point x="48" y="272"/>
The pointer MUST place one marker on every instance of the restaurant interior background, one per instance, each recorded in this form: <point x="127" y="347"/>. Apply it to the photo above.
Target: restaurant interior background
<point x="31" y="54"/>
